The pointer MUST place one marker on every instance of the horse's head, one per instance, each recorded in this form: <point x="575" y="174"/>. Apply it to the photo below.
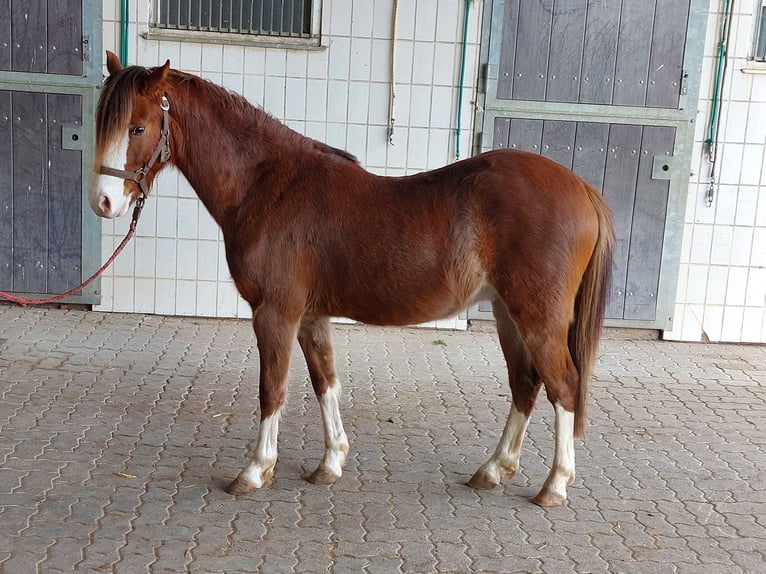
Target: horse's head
<point x="132" y="136"/>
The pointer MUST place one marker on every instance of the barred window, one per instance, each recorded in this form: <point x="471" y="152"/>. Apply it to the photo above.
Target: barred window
<point x="280" y="18"/>
<point x="759" y="52"/>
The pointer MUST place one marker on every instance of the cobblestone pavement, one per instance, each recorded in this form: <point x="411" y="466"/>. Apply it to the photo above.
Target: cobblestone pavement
<point x="119" y="432"/>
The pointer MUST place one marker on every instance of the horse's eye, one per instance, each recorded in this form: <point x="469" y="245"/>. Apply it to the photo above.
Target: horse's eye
<point x="136" y="131"/>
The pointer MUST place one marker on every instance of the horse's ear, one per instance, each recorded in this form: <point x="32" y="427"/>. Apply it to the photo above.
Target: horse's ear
<point x="112" y="62"/>
<point x="160" y="73"/>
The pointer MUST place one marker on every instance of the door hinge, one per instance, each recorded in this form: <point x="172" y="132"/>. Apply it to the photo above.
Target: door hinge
<point x="85" y="49"/>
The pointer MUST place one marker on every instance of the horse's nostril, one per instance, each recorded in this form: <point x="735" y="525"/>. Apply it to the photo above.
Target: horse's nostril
<point x="104" y="205"/>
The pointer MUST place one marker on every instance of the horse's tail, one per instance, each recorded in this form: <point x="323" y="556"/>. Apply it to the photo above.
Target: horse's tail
<point x="590" y="306"/>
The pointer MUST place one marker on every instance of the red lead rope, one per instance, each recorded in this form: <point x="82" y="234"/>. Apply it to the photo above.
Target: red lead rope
<point x="24" y="302"/>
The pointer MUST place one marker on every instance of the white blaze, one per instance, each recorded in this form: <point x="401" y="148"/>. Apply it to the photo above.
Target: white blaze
<point x="107" y="197"/>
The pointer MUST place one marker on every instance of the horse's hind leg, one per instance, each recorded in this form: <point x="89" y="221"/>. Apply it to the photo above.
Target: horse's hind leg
<point x="553" y="362"/>
<point x="525" y="385"/>
<point x="315" y="341"/>
<point x="275" y="336"/>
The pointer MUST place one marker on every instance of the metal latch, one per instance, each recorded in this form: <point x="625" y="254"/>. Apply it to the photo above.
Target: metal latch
<point x="662" y="166"/>
<point x="71" y="137"/>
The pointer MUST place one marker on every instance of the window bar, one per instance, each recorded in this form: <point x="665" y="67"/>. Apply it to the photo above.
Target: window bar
<point x="760" y="47"/>
<point x="260" y="22"/>
<point x="251" y="22"/>
<point x="281" y="18"/>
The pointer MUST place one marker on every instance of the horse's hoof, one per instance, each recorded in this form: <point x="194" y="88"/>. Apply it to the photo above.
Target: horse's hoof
<point x="239" y="486"/>
<point x="481" y="481"/>
<point x="321" y="476"/>
<point x="547" y="499"/>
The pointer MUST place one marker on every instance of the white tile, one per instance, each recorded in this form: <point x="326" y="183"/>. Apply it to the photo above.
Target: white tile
<point x="449" y="20"/>
<point x="439" y="146"/>
<point x="736" y="122"/>
<point x="336" y="136"/>
<point x="405" y="29"/>
<point x="186" y="259"/>
<point x="756" y="125"/>
<point x="337" y="101"/>
<point x="420" y="106"/>
<point x="380" y="95"/>
<point x="380" y="61"/>
<point x="295" y="99"/>
<point x="397" y="153"/>
<point x="223" y="274"/>
<point x="758" y="257"/>
<point x="274" y="97"/>
<point x="146" y="256"/>
<point x="339" y="58"/>
<point x="736" y="286"/>
<point x="357" y="141"/>
<point x="696" y="283"/>
<point x="361" y="57"/>
<point x="167" y="214"/>
<point x="701" y="242"/>
<point x="340" y="17"/>
<point x="186" y="298"/>
<point x="402" y="101"/>
<point x="253" y="89"/>
<point x="726" y="205"/>
<point x="747" y="202"/>
<point x="316" y="130"/>
<point x="227" y="299"/>
<point x="296" y="65"/>
<point x="720" y="251"/>
<point x="425" y="21"/>
<point x="752" y="163"/>
<point x="691" y="329"/>
<point x="124" y="293"/>
<point x="358" y="102"/>
<point x="255" y="61"/>
<point x="166" y="258"/>
<point x="446" y="67"/>
<point x="755" y="295"/>
<point x="417" y="149"/>
<point x="711" y="324"/>
<point x="187" y="218"/>
<point x="729" y="163"/>
<point x="317" y="64"/>
<point x="752" y="323"/>
<point x="207" y="261"/>
<point x="423" y="63"/>
<point x="207" y="227"/>
<point x="442" y="109"/>
<point x="165" y="296"/>
<point x="276" y="62"/>
<point x="403" y="62"/>
<point x="107" y="294"/>
<point x="731" y="329"/>
<point x="190" y="57"/>
<point x="382" y="19"/>
<point x="362" y="18"/>
<point x="212" y="58"/>
<point x="741" y="244"/>
<point x="206" y="298"/>
<point x="702" y="212"/>
<point x="234" y="59"/>
<point x="144" y="295"/>
<point x="212" y="77"/>
<point x="714" y="293"/>
<point x="377" y="146"/>
<point x="234" y="83"/>
<point x="316" y="100"/>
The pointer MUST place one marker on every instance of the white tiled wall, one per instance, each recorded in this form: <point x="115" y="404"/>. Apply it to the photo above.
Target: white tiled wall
<point x="176" y="264"/>
<point x="339" y="95"/>
<point x="722" y="283"/>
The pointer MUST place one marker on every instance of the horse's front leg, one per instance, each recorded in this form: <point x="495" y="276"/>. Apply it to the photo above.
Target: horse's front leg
<point x="314" y="339"/>
<point x="275" y="336"/>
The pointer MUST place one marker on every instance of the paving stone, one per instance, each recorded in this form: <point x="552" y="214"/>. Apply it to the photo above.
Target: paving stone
<point x="119" y="432"/>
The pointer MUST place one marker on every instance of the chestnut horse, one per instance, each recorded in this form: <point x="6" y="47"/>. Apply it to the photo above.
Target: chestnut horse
<point x="310" y="234"/>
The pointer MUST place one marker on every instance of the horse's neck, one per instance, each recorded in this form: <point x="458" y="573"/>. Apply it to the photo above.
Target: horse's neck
<point x="218" y="151"/>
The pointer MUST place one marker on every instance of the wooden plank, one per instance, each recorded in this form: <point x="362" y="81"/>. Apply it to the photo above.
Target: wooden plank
<point x="30" y="190"/>
<point x="29" y="38"/>
<point x="600" y="52"/>
<point x="648" y="228"/>
<point x="667" y="58"/>
<point x="633" y="50"/>
<point x="526" y="135"/>
<point x="532" y="48"/>
<point x="508" y="50"/>
<point x="64" y="196"/>
<point x="567" y="42"/>
<point x="620" y="178"/>
<point x="558" y="141"/>
<point x="5" y="35"/>
<point x="500" y="133"/>
<point x="65" y="37"/>
<point x="590" y="152"/>
<point x="6" y="193"/>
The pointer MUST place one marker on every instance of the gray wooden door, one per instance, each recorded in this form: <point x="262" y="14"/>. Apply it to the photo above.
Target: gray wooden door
<point x="48" y="80"/>
<point x="603" y="87"/>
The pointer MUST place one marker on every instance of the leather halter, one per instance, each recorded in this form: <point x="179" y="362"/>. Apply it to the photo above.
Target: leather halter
<point x="161" y="152"/>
